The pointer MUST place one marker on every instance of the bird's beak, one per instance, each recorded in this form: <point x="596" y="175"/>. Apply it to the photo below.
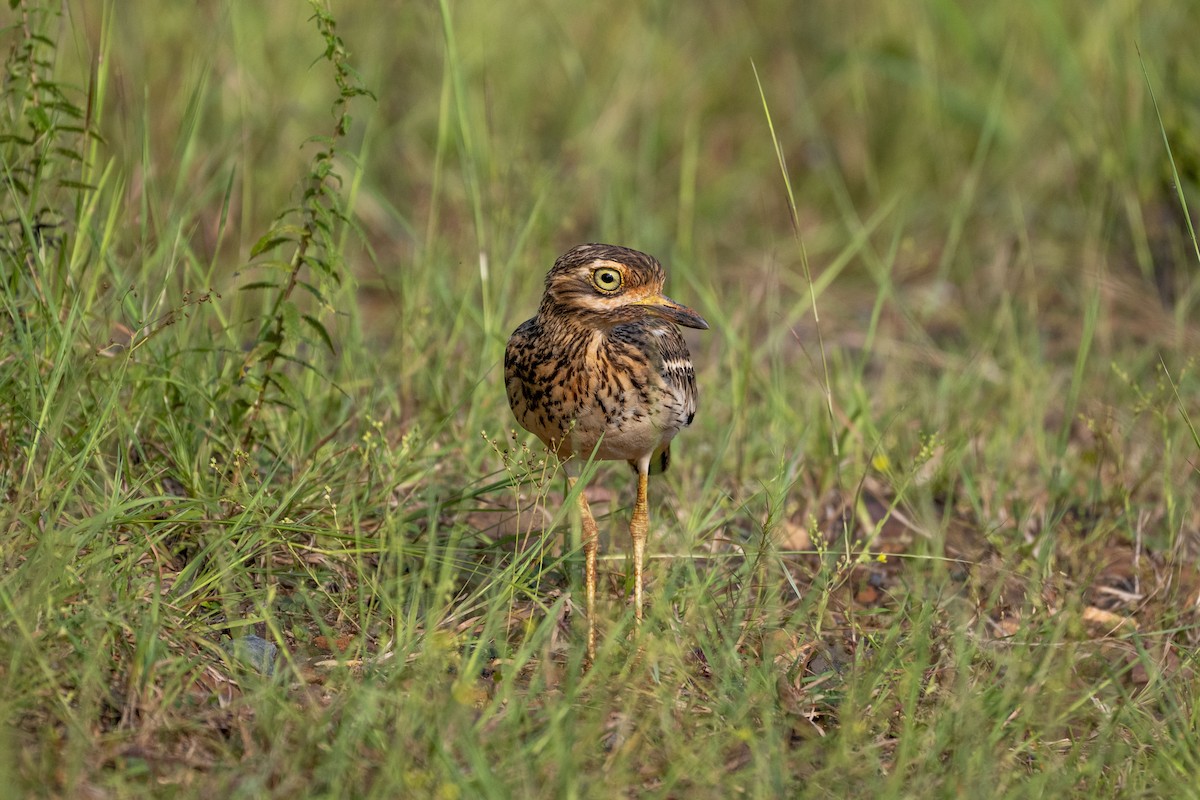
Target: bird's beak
<point x="662" y="306"/>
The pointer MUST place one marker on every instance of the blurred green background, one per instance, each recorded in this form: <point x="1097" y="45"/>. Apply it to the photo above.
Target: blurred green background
<point x="958" y="139"/>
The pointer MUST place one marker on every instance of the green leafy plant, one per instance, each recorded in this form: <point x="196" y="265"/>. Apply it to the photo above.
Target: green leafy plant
<point x="43" y="133"/>
<point x="44" y="193"/>
<point x="301" y="252"/>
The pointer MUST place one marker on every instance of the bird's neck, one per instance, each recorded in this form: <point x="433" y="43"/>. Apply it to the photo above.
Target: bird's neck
<point x="554" y="316"/>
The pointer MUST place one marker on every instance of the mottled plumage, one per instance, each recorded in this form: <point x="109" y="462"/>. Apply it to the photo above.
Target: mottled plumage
<point x="603" y="368"/>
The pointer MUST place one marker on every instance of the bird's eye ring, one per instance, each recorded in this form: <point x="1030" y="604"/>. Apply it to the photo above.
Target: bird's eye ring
<point x="607" y="280"/>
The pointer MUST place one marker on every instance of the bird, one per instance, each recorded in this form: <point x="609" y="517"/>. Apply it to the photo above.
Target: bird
<point x="602" y="371"/>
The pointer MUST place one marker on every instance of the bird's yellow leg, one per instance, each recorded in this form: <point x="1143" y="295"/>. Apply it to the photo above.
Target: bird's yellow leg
<point x="639" y="526"/>
<point x="591" y="545"/>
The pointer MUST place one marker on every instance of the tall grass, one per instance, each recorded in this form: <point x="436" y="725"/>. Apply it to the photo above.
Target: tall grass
<point x="942" y="544"/>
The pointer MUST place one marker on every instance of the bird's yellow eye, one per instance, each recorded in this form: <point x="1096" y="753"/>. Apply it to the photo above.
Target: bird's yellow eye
<point x="607" y="280"/>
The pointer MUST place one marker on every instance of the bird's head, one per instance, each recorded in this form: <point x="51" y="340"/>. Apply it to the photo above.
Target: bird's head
<point x="607" y="284"/>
